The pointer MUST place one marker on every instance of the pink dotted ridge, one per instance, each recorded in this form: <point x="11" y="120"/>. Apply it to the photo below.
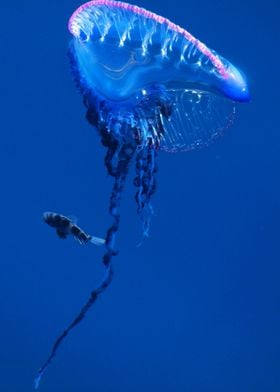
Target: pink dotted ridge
<point x="160" y="19"/>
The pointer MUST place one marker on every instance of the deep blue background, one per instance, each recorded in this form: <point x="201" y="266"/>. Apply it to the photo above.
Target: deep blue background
<point x="197" y="307"/>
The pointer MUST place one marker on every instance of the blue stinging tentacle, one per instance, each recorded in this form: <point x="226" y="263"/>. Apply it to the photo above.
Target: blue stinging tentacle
<point x="146" y="183"/>
<point x="119" y="171"/>
<point x="93" y="297"/>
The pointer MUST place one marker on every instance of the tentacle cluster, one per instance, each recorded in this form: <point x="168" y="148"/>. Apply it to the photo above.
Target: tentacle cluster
<point x="145" y="181"/>
<point x="126" y="133"/>
<point x="117" y="161"/>
<point x="134" y="129"/>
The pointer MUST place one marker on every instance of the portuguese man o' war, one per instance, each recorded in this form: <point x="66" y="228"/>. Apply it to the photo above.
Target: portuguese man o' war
<point x="148" y="85"/>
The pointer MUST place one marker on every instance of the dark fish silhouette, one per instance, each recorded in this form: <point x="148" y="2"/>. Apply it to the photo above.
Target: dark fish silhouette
<point x="65" y="226"/>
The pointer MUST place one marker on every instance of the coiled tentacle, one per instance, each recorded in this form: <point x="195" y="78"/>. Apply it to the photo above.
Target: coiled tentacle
<point x="124" y="133"/>
<point x="145" y="181"/>
<point x="118" y="168"/>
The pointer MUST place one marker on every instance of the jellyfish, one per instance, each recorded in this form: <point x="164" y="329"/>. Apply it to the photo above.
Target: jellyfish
<point x="148" y="85"/>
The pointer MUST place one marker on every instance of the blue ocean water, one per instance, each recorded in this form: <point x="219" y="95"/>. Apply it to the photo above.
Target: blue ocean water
<point x="197" y="306"/>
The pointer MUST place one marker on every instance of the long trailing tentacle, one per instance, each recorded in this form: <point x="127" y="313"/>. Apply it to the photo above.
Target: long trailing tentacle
<point x="145" y="181"/>
<point x="93" y="297"/>
<point x="118" y="167"/>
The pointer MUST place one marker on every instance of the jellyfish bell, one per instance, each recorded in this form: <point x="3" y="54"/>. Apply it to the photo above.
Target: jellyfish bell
<point x="123" y="52"/>
<point x="133" y="47"/>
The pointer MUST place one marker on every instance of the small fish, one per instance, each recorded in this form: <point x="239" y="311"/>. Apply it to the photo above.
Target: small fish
<point x="65" y="226"/>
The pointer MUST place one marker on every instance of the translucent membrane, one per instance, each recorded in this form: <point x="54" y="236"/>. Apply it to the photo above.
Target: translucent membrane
<point x="197" y="119"/>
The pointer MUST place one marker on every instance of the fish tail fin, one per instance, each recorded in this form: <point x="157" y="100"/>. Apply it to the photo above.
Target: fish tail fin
<point x="97" y="241"/>
<point x="38" y="379"/>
